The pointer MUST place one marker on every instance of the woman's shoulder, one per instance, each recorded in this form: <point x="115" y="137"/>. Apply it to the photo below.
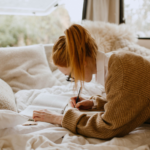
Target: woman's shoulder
<point x="124" y="53"/>
<point x="121" y="53"/>
<point x="123" y="56"/>
<point x="116" y="70"/>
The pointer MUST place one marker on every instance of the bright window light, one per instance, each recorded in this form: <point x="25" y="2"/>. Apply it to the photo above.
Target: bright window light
<point x="137" y="15"/>
<point x="74" y="8"/>
<point x="21" y="30"/>
<point x="27" y="7"/>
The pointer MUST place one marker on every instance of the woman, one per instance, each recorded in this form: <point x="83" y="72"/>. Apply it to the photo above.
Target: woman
<point x="125" y="75"/>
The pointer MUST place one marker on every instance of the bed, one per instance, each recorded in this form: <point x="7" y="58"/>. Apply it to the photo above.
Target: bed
<point x="49" y="136"/>
<point x="24" y="82"/>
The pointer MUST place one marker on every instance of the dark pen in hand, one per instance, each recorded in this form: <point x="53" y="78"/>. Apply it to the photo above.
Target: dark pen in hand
<point x="78" y="95"/>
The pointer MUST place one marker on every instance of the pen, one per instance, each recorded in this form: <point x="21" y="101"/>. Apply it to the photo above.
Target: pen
<point x="78" y="95"/>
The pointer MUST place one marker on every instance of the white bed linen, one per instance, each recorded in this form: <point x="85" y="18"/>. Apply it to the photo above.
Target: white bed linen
<point x="25" y="97"/>
<point x="10" y="119"/>
<point x="46" y="136"/>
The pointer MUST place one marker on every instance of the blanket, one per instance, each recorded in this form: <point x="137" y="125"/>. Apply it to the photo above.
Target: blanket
<point x="20" y="72"/>
<point x="46" y="136"/>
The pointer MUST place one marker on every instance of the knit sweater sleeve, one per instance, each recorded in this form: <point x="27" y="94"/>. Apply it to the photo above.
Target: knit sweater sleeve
<point x="124" y="111"/>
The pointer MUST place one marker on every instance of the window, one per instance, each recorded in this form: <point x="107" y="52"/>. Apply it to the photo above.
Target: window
<point x="21" y="30"/>
<point x="137" y="14"/>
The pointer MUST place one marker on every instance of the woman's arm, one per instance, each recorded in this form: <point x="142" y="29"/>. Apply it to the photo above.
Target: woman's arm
<point x="95" y="102"/>
<point x="55" y="118"/>
<point x="123" y="113"/>
<point x="124" y="110"/>
<point x="48" y="116"/>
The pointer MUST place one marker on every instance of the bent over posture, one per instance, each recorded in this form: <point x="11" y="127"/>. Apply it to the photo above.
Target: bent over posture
<point x="125" y="75"/>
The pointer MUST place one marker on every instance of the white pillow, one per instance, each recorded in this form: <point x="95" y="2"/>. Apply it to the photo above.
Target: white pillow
<point x="10" y="119"/>
<point x="26" y="68"/>
<point x="7" y="97"/>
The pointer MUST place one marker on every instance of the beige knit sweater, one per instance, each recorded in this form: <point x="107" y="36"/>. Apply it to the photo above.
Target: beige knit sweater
<point x="128" y="100"/>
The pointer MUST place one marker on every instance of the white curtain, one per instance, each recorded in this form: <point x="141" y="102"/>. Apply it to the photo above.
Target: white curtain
<point x="103" y="10"/>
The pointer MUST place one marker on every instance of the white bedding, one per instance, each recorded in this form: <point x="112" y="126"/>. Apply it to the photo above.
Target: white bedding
<point x="26" y="97"/>
<point x="35" y="73"/>
<point x="46" y="136"/>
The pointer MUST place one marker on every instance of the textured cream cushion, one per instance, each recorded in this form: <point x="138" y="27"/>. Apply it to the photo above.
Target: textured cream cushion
<point x="111" y="37"/>
<point x="26" y="68"/>
<point x="7" y="97"/>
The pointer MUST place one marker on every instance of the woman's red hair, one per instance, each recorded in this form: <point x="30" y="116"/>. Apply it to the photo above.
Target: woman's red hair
<point x="72" y="49"/>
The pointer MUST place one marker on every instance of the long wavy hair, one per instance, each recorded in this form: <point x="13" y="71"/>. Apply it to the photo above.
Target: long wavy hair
<point x="72" y="49"/>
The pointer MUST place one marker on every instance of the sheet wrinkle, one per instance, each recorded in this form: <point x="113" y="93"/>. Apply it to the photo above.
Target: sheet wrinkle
<point x="46" y="138"/>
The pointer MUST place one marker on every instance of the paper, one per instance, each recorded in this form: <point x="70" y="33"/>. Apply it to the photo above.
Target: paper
<point x="47" y="101"/>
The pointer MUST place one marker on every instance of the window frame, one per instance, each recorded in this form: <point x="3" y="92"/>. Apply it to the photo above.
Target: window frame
<point x="84" y="9"/>
<point x="122" y="19"/>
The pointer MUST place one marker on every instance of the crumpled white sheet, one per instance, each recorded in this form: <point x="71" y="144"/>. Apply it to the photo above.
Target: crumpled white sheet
<point x="46" y="136"/>
<point x="26" y="97"/>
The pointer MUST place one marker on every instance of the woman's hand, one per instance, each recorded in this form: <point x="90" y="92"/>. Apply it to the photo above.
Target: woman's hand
<point x="47" y="116"/>
<point x="82" y="103"/>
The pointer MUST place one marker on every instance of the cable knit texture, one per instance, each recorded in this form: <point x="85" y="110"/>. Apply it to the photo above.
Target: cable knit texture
<point x="128" y="100"/>
<point x="7" y="97"/>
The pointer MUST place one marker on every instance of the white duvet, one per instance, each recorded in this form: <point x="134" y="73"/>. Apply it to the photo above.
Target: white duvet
<point x="46" y="136"/>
